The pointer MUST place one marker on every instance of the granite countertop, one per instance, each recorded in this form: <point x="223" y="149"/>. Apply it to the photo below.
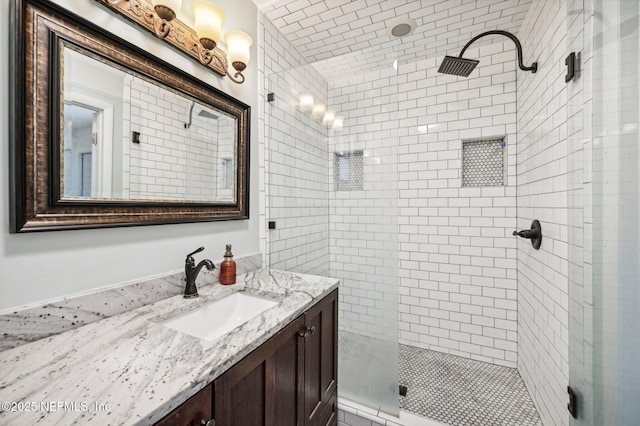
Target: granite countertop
<point x="129" y="369"/>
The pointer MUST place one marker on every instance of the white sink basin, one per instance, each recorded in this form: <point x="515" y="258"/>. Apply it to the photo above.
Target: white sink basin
<point x="217" y="318"/>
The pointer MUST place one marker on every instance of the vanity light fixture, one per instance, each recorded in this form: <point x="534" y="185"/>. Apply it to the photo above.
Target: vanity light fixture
<point x="201" y="42"/>
<point x="208" y="23"/>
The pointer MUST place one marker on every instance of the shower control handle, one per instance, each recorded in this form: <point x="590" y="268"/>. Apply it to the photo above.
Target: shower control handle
<point x="534" y="234"/>
<point x="527" y="233"/>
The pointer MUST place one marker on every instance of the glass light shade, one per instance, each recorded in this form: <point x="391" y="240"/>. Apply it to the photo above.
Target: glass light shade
<point x="306" y="102"/>
<point x="329" y="116"/>
<point x="173" y="5"/>
<point x="338" y="122"/>
<point x="318" y="110"/>
<point x="208" y="22"/>
<point x="238" y="44"/>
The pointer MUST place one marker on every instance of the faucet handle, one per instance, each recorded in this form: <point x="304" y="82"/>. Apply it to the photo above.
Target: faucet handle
<point x="196" y="251"/>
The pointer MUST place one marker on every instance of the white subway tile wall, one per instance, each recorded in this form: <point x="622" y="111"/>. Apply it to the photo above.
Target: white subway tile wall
<point x="542" y="194"/>
<point x="445" y="276"/>
<point x="171" y="161"/>
<point x="457" y="256"/>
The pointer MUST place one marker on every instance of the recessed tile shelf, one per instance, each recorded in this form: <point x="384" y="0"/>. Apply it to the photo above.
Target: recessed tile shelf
<point x="483" y="162"/>
<point x="349" y="170"/>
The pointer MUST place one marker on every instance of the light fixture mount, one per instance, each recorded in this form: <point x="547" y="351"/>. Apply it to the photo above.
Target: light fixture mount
<point x="161" y="21"/>
<point x="164" y="12"/>
<point x="208" y="43"/>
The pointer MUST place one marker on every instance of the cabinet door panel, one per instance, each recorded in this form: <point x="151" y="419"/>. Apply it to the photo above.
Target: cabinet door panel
<point x="329" y="414"/>
<point x="285" y="367"/>
<point x="262" y="389"/>
<point x="321" y="360"/>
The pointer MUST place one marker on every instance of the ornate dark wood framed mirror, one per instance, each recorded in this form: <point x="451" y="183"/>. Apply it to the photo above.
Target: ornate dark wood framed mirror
<point x="104" y="134"/>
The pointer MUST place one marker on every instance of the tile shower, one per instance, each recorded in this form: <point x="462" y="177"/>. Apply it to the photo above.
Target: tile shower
<point x="456" y="275"/>
<point x="468" y="291"/>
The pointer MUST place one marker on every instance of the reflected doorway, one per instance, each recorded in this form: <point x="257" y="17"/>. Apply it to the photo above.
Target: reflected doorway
<point x="83" y="151"/>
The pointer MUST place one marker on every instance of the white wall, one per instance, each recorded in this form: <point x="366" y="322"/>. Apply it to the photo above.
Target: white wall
<point x="40" y="266"/>
<point x="543" y="335"/>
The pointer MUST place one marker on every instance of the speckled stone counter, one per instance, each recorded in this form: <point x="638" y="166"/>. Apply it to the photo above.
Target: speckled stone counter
<point x="130" y="369"/>
<point x="21" y="326"/>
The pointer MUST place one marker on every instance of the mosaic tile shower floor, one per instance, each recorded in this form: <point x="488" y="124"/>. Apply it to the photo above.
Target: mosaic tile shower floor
<point x="460" y="391"/>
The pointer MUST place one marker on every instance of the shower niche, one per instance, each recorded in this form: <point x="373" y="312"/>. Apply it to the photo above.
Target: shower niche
<point x="483" y="162"/>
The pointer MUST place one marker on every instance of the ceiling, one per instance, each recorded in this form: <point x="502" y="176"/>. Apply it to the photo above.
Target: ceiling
<point x="340" y="36"/>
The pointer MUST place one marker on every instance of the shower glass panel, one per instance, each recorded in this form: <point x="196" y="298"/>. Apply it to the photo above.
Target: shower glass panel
<point x="297" y="174"/>
<point x="332" y="204"/>
<point x="363" y="223"/>
<point x="604" y="202"/>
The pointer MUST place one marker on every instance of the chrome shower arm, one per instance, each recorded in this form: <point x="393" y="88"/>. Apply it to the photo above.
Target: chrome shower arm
<point x="534" y="66"/>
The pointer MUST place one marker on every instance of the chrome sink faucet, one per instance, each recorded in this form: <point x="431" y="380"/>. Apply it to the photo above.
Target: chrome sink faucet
<point x="191" y="272"/>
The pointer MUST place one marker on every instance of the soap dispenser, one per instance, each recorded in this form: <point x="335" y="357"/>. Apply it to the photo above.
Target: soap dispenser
<point x="228" y="268"/>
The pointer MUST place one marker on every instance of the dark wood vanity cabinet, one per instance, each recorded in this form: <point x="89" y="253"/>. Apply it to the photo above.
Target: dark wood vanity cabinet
<point x="264" y="388"/>
<point x="196" y="409"/>
<point x="291" y="379"/>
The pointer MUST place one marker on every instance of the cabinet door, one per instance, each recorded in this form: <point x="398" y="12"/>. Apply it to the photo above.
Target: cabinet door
<point x="263" y="388"/>
<point x="192" y="412"/>
<point x="321" y="361"/>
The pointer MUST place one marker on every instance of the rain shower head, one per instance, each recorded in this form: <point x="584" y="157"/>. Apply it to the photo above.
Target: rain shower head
<point x="462" y="67"/>
<point x="457" y="66"/>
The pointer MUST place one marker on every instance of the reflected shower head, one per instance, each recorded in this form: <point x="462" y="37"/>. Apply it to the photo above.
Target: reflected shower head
<point x="207" y="114"/>
<point x="462" y="67"/>
<point x="457" y="66"/>
<point x="202" y="113"/>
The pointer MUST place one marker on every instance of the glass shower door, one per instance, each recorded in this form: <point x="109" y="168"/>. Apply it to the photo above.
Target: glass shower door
<point x="332" y="208"/>
<point x="364" y="224"/>
<point x="297" y="175"/>
<point x="605" y="204"/>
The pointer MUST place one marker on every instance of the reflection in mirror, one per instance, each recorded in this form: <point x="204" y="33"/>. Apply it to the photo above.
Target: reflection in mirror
<point x="104" y="134"/>
<point x="79" y="133"/>
<point x="127" y="138"/>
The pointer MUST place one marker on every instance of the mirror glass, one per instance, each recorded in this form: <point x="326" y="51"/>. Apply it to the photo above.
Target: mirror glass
<point x="105" y="134"/>
<point x="126" y="137"/>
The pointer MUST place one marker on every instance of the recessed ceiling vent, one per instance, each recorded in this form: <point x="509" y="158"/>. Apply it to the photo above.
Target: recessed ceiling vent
<point x="401" y="27"/>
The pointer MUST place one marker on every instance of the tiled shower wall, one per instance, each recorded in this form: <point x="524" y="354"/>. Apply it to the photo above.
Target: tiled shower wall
<point x="542" y="194"/>
<point x="457" y="256"/>
<point x="171" y="162"/>
<point x="297" y="175"/>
